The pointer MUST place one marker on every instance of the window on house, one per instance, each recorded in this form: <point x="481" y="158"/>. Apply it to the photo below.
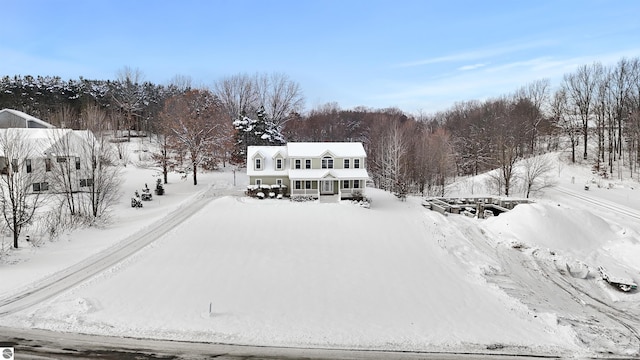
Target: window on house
<point x="279" y="164"/>
<point x="279" y="182"/>
<point x="356" y="163"/>
<point x="14" y="165"/>
<point x="43" y="186"/>
<point x="346" y="163"/>
<point x="258" y="164"/>
<point x="298" y="184"/>
<point x="298" y="164"/>
<point x="47" y="164"/>
<point x="86" y="182"/>
<point x="307" y="164"/>
<point x="258" y="182"/>
<point x="28" y="164"/>
<point x="327" y="162"/>
<point x="61" y="159"/>
<point x="307" y="184"/>
<point x="356" y="184"/>
<point x="77" y="163"/>
<point x="345" y="184"/>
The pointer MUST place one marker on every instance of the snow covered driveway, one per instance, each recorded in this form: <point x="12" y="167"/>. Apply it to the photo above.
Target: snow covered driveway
<point x="102" y="261"/>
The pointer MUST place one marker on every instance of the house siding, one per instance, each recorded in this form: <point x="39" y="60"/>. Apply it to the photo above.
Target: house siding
<point x="269" y="180"/>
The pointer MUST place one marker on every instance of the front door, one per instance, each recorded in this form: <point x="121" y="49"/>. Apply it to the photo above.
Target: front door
<point x="327" y="186"/>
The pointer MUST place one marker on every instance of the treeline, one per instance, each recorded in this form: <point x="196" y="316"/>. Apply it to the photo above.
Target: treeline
<point x="595" y="107"/>
<point x="61" y="102"/>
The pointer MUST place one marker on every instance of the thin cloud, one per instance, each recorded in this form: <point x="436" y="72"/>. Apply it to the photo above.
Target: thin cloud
<point x="477" y="54"/>
<point x="491" y="81"/>
<point x="472" y="67"/>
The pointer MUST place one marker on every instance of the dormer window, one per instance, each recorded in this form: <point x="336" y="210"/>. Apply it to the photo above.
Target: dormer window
<point x="297" y="164"/>
<point x="356" y="163"/>
<point x="258" y="164"/>
<point x="346" y="163"/>
<point x="307" y="163"/>
<point x="327" y="162"/>
<point x="278" y="164"/>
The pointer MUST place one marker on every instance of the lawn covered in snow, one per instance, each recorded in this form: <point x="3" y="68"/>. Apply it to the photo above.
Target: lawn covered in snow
<point x="274" y="272"/>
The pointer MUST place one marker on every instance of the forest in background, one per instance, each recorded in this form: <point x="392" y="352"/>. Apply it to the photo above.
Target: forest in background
<point x="594" y="113"/>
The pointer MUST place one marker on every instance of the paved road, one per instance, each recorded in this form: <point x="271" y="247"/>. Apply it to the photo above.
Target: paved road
<point x="41" y="344"/>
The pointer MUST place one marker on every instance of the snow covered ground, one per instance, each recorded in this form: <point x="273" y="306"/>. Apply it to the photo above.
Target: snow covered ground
<point x="394" y="276"/>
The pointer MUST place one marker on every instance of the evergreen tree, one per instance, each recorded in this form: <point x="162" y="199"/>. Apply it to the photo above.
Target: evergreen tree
<point x="250" y="132"/>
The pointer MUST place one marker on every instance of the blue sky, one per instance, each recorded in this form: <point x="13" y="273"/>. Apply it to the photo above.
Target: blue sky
<point x="414" y="55"/>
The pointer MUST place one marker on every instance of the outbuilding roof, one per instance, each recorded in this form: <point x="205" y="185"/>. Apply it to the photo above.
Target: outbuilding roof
<point x="29" y="121"/>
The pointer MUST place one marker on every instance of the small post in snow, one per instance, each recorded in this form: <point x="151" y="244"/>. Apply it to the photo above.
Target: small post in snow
<point x="210" y="307"/>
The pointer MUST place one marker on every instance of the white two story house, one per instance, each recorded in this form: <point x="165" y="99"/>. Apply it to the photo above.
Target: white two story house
<point x="47" y="156"/>
<point x="310" y="168"/>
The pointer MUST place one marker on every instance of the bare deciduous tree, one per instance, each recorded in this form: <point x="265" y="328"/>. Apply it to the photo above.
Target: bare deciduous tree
<point x="237" y="94"/>
<point x="101" y="174"/>
<point x="581" y="87"/>
<point x="565" y="119"/>
<point x="198" y="123"/>
<point x="535" y="173"/>
<point x="128" y="95"/>
<point x="537" y="93"/>
<point x="18" y="177"/>
<point x="390" y="162"/>
<point x="280" y="97"/>
<point x="276" y="93"/>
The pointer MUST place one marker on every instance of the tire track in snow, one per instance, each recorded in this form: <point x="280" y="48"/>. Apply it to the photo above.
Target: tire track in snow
<point x="598" y="305"/>
<point x="621" y="209"/>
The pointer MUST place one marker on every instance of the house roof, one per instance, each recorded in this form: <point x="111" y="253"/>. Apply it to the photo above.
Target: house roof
<point x="29" y="120"/>
<point x="265" y="151"/>
<point x="268" y="153"/>
<point x="45" y="141"/>
<point x="315" y="149"/>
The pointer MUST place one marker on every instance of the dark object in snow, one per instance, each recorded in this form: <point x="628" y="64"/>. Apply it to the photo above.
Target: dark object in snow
<point x="625" y="285"/>
<point x="146" y="193"/>
<point x="159" y="188"/>
<point x="136" y="202"/>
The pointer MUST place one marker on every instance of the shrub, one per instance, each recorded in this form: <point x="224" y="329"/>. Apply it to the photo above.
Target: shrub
<point x="301" y="198"/>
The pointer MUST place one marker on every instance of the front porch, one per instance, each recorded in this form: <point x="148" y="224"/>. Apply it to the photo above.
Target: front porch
<point x="343" y="189"/>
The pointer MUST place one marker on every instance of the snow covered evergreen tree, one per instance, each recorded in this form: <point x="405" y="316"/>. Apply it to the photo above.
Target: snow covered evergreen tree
<point x="261" y="131"/>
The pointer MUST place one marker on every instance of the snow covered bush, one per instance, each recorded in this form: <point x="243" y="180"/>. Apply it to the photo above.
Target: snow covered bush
<point x="363" y="203"/>
<point x="302" y="198"/>
<point x="357" y="195"/>
<point x="252" y="190"/>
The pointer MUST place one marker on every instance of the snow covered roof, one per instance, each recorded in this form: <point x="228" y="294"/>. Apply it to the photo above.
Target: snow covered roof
<point x="316" y="149"/>
<point x="43" y="142"/>
<point x="265" y="151"/>
<point x="8" y="116"/>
